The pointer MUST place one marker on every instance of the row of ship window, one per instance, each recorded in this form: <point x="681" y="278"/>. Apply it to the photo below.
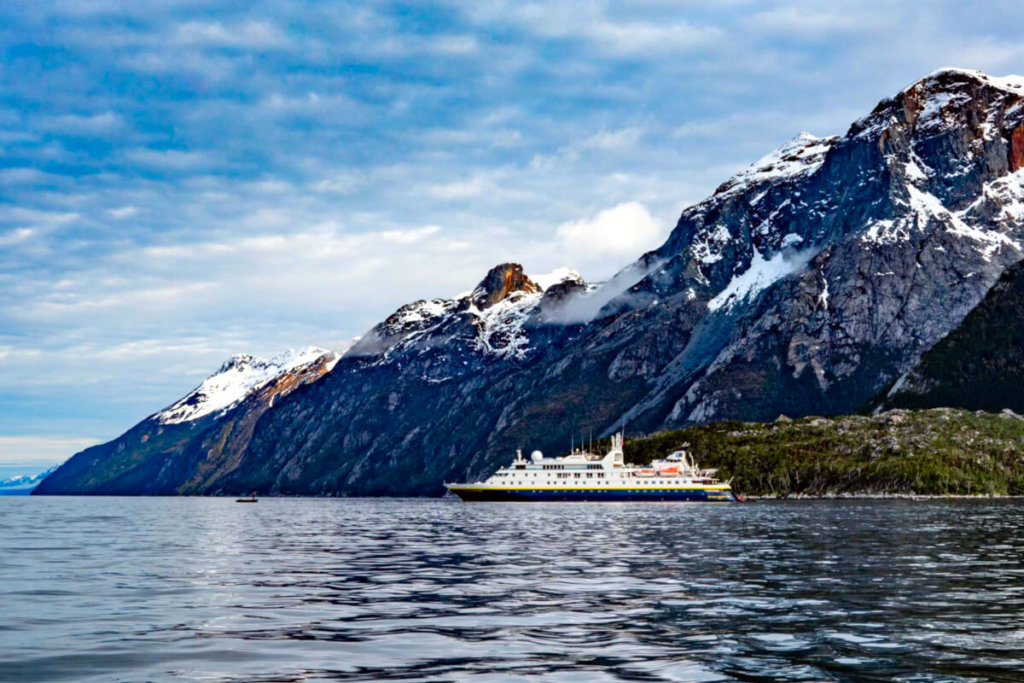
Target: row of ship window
<point x="591" y="466"/>
<point x="560" y="475"/>
<point x="589" y="475"/>
<point x="575" y="475"/>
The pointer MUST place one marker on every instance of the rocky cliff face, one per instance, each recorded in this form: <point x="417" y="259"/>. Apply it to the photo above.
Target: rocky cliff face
<point x="833" y="264"/>
<point x="980" y="364"/>
<point x="805" y="284"/>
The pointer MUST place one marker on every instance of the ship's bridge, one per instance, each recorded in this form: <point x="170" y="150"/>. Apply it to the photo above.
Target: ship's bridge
<point x="576" y="460"/>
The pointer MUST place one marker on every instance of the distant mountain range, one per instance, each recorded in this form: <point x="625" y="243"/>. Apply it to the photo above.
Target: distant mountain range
<point x="22" y="484"/>
<point x="807" y="284"/>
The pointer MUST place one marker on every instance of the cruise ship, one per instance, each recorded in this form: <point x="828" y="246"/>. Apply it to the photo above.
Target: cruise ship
<point x="583" y="476"/>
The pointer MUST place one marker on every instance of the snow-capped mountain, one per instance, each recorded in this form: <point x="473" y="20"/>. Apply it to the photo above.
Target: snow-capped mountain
<point x="806" y="283"/>
<point x="857" y="260"/>
<point x="22" y="484"/>
<point x="191" y="444"/>
<point x="237" y="379"/>
<point x="492" y="318"/>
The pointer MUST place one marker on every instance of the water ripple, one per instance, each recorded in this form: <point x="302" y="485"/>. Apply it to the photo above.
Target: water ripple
<point x="294" y="590"/>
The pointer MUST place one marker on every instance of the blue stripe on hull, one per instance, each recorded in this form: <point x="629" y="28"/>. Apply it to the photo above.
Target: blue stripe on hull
<point x="526" y="495"/>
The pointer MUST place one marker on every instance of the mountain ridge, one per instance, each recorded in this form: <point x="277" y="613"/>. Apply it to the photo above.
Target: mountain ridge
<point x="23" y="484"/>
<point x="238" y="377"/>
<point x="804" y="284"/>
<point x="194" y="441"/>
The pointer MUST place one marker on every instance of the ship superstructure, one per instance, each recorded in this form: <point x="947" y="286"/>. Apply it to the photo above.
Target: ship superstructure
<point x="584" y="476"/>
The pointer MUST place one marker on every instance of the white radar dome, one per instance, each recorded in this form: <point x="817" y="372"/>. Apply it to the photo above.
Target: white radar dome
<point x="536" y="456"/>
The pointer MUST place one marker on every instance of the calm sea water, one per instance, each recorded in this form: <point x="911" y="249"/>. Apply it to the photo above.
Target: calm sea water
<point x="296" y="589"/>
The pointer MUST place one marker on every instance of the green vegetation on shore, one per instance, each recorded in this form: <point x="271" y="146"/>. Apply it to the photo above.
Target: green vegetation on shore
<point x="929" y="452"/>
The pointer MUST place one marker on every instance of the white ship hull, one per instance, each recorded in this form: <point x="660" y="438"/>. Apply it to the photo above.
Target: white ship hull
<point x="697" y="494"/>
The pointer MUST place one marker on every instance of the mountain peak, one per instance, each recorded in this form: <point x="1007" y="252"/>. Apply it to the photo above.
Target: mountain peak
<point x="557" y="277"/>
<point x="239" y="360"/>
<point x="801" y="155"/>
<point x="500" y="282"/>
<point x="237" y="378"/>
<point x="951" y="77"/>
<point x="949" y="97"/>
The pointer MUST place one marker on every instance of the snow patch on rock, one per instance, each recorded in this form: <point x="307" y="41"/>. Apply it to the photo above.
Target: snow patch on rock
<point x="928" y="207"/>
<point x="420" y="311"/>
<point x="761" y="274"/>
<point x="707" y="248"/>
<point x="1006" y="193"/>
<point x="801" y="156"/>
<point x="239" y="377"/>
<point x="886" y="231"/>
<point x="936" y="106"/>
<point x="557" y="276"/>
<point x="791" y="240"/>
<point x="501" y="326"/>
<point x="1011" y="83"/>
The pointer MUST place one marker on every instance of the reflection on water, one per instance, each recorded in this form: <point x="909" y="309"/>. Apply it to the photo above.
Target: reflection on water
<point x="143" y="589"/>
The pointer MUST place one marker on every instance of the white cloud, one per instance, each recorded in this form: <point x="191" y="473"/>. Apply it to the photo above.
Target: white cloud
<point x="333" y="106"/>
<point x="32" y="221"/>
<point x="206" y="67"/>
<point x="249" y="34"/>
<point x="454" y="45"/>
<point x="340" y="183"/>
<point x="459" y="190"/>
<point x="15" y="236"/>
<point x="625" y="138"/>
<point x="169" y="159"/>
<point x="49" y="218"/>
<point x="815" y="21"/>
<point x="25" y="176"/>
<point x="591" y="23"/>
<point x="625" y="230"/>
<point x="633" y="38"/>
<point x="40" y="448"/>
<point x="409" y="236"/>
<point x="77" y="125"/>
<point x="123" y="212"/>
<point x="291" y="206"/>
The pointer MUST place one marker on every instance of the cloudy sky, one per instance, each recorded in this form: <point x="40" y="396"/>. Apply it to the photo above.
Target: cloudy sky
<point x="181" y="181"/>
